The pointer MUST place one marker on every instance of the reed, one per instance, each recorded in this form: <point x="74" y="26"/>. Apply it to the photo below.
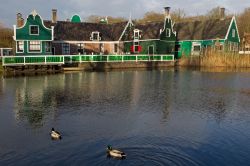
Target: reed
<point x="1" y="67"/>
<point x="216" y="59"/>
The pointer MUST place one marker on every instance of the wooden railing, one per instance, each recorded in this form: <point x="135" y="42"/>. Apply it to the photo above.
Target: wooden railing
<point x="62" y="59"/>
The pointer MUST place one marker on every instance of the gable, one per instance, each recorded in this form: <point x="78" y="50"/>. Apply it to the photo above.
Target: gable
<point x="167" y="33"/>
<point x="233" y="33"/>
<point x="33" y="20"/>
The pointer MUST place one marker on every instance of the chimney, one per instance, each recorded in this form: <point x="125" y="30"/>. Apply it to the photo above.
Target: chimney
<point x="54" y="16"/>
<point x="19" y="20"/>
<point x="167" y="11"/>
<point x="222" y="13"/>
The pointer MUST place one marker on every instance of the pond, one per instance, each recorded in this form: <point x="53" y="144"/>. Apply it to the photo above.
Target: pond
<point x="157" y="117"/>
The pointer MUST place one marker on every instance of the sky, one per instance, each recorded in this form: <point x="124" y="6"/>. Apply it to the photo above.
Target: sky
<point x="115" y="8"/>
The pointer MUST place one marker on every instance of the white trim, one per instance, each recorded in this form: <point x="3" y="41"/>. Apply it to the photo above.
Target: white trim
<point x="153" y="49"/>
<point x="34" y="52"/>
<point x="168" y="32"/>
<point x="14" y="37"/>
<point x="50" y="47"/>
<point x="30" y="30"/>
<point x="17" y="49"/>
<point x="52" y="37"/>
<point x="98" y="36"/>
<point x="129" y="22"/>
<point x="229" y="28"/>
<point x="41" y="21"/>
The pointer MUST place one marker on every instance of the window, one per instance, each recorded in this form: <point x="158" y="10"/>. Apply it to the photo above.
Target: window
<point x="136" y="34"/>
<point x="34" y="30"/>
<point x="115" y="48"/>
<point x="197" y="48"/>
<point x="95" y="36"/>
<point x="136" y="47"/>
<point x="233" y="33"/>
<point x="80" y="48"/>
<point x="47" y="46"/>
<point x="34" y="46"/>
<point x="168" y="32"/>
<point x="65" y="49"/>
<point x="19" y="46"/>
<point x="101" y="48"/>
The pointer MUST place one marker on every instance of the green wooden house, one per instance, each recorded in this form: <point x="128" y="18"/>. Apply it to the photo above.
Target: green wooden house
<point x="200" y="37"/>
<point x="152" y="38"/>
<point x="33" y="37"/>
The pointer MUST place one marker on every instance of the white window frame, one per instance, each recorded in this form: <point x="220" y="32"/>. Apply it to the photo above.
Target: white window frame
<point x="136" y="34"/>
<point x="153" y="49"/>
<point x="17" y="46"/>
<point x="34" y="26"/>
<point x="34" y="50"/>
<point x="168" y="32"/>
<point x="93" y="34"/>
<point x="63" y="50"/>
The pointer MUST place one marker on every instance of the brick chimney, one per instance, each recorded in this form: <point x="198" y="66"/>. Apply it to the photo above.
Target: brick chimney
<point x="167" y="11"/>
<point x="222" y="13"/>
<point x="54" y="16"/>
<point x="19" y="20"/>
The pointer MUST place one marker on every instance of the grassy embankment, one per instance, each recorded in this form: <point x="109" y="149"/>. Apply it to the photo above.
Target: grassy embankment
<point x="217" y="60"/>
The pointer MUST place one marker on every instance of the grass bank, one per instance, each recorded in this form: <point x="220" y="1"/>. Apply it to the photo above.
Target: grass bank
<point x="217" y="60"/>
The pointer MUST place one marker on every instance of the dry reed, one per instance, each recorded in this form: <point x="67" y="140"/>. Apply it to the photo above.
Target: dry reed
<point x="216" y="59"/>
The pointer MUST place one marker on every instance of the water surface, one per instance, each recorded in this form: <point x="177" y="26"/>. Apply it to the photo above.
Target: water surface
<point x="159" y="117"/>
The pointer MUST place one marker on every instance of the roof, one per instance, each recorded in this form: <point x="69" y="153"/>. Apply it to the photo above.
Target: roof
<point x="202" y="30"/>
<point x="64" y="30"/>
<point x="191" y="30"/>
<point x="150" y="30"/>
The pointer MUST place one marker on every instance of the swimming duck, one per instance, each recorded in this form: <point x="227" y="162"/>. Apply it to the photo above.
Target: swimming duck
<point x="55" y="134"/>
<point x="115" y="153"/>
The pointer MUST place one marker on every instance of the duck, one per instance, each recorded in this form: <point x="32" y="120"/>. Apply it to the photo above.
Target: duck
<point x="55" y="134"/>
<point x="115" y="153"/>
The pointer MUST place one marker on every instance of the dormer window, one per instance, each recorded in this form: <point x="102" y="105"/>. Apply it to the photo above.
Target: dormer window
<point x="168" y="32"/>
<point x="95" y="36"/>
<point x="34" y="30"/>
<point x="136" y="34"/>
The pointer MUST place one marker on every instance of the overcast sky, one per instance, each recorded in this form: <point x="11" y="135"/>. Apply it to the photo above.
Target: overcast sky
<point x="66" y="8"/>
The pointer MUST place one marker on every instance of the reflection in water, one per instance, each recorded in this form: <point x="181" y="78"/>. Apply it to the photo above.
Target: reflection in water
<point x="163" y="117"/>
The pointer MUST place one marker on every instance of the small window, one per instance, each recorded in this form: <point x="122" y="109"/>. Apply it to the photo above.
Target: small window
<point x="115" y="48"/>
<point x="34" y="30"/>
<point x="47" y="46"/>
<point x="34" y="46"/>
<point x="20" y="46"/>
<point x="197" y="48"/>
<point x="101" y="48"/>
<point x="65" y="49"/>
<point x="168" y="32"/>
<point x="136" y="34"/>
<point x="95" y="36"/>
<point x="233" y="33"/>
<point x="80" y="48"/>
